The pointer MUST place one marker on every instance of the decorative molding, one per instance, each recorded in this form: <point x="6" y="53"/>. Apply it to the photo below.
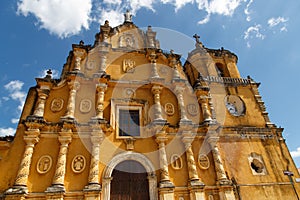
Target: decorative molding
<point x="44" y="164"/>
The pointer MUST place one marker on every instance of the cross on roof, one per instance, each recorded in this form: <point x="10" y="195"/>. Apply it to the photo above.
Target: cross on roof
<point x="197" y="38"/>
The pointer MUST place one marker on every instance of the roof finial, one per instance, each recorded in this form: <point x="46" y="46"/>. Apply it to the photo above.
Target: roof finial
<point x="128" y="16"/>
<point x="198" y="43"/>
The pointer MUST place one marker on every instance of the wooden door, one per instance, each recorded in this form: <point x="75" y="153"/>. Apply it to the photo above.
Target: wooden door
<point x="129" y="182"/>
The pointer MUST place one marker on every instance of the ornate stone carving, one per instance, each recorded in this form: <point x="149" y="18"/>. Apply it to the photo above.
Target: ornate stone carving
<point x="176" y="161"/>
<point x="128" y="65"/>
<point x="78" y="57"/>
<point x="156" y="90"/>
<point x="219" y="167"/>
<point x="74" y="86"/>
<point x="44" y="164"/>
<point x="91" y="65"/>
<point x="163" y="163"/>
<point x="57" y="105"/>
<point x="59" y="176"/>
<point x="42" y="96"/>
<point x="203" y="161"/>
<point x="192" y="109"/>
<point x="129" y="93"/>
<point x="78" y="164"/>
<point x="96" y="139"/>
<point x="169" y="109"/>
<point x="31" y="138"/>
<point x="187" y="139"/>
<point x="127" y="41"/>
<point x="101" y="88"/>
<point x="85" y="105"/>
<point x="179" y="92"/>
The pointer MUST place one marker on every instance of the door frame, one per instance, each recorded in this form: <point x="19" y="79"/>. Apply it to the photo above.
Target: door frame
<point x="128" y="155"/>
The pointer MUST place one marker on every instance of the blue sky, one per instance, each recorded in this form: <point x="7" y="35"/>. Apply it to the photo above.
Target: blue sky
<point x="38" y="34"/>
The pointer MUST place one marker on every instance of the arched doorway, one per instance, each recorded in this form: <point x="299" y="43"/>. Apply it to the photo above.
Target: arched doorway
<point x="132" y="156"/>
<point x="129" y="182"/>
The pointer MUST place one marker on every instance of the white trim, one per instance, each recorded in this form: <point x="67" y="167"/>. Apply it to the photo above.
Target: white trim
<point x="128" y="155"/>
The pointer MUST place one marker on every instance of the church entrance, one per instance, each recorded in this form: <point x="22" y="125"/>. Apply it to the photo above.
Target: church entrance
<point x="129" y="182"/>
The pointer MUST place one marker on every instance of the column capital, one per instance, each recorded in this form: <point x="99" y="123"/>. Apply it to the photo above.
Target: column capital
<point x="64" y="139"/>
<point x="101" y="87"/>
<point x="156" y="89"/>
<point x="161" y="137"/>
<point x="74" y="85"/>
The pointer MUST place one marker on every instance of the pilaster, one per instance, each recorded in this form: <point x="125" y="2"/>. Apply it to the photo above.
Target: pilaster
<point x="101" y="88"/>
<point x="64" y="139"/>
<point x="73" y="86"/>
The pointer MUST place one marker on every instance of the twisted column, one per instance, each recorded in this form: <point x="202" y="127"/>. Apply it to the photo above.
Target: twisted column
<point x="40" y="108"/>
<point x="74" y="86"/>
<point x="59" y="176"/>
<point x="156" y="90"/>
<point x="165" y="182"/>
<point x="187" y="139"/>
<point x="31" y="138"/>
<point x="78" y="57"/>
<point x="101" y="88"/>
<point x="179" y="92"/>
<point x="219" y="167"/>
<point x="93" y="179"/>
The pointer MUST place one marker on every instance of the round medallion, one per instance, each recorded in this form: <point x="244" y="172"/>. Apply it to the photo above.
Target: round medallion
<point x="203" y="161"/>
<point x="176" y="161"/>
<point x="169" y="109"/>
<point x="78" y="164"/>
<point x="57" y="104"/>
<point x="44" y="164"/>
<point x="235" y="105"/>
<point x="85" y="105"/>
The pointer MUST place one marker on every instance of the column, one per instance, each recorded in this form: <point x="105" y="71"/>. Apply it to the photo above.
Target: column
<point x="203" y="100"/>
<point x="165" y="182"/>
<point x="156" y="90"/>
<point x="102" y="62"/>
<point x="40" y="108"/>
<point x="78" y="57"/>
<point x="101" y="88"/>
<point x="74" y="86"/>
<point x="152" y="57"/>
<point x="59" y="176"/>
<point x="219" y="167"/>
<point x="179" y="92"/>
<point x="20" y="185"/>
<point x="96" y="138"/>
<point x="187" y="139"/>
<point x="173" y="64"/>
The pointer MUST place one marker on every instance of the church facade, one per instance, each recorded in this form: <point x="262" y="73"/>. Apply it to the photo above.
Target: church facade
<point x="127" y="120"/>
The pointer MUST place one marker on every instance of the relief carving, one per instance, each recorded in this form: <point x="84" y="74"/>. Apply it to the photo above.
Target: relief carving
<point x="44" y="164"/>
<point x="128" y="65"/>
<point x="203" y="161"/>
<point x="57" y="104"/>
<point x="192" y="109"/>
<point x="85" y="105"/>
<point x="169" y="109"/>
<point x="78" y="164"/>
<point x="176" y="161"/>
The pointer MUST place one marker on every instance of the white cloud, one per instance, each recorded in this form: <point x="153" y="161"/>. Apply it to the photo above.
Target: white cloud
<point x="61" y="17"/>
<point x="296" y="154"/>
<point x="279" y="21"/>
<point x="115" y="17"/>
<point x="7" y="131"/>
<point x="247" y="10"/>
<point x="253" y="32"/>
<point x="14" y="120"/>
<point x="15" y="92"/>
<point x="177" y="3"/>
<point x="276" y="21"/>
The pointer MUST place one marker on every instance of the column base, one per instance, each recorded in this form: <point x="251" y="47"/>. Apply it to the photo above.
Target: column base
<point x="196" y="184"/>
<point x="56" y="189"/>
<point x="224" y="182"/>
<point x="166" y="184"/>
<point x="17" y="189"/>
<point x="92" y="187"/>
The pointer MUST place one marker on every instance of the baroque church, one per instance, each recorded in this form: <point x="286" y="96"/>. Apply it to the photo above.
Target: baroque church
<point x="127" y="120"/>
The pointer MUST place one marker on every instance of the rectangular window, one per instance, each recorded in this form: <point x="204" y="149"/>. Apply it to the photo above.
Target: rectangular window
<point x="129" y="122"/>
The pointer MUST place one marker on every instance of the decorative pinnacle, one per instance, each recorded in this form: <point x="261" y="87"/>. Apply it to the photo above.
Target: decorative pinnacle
<point x="197" y="37"/>
<point x="128" y="16"/>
